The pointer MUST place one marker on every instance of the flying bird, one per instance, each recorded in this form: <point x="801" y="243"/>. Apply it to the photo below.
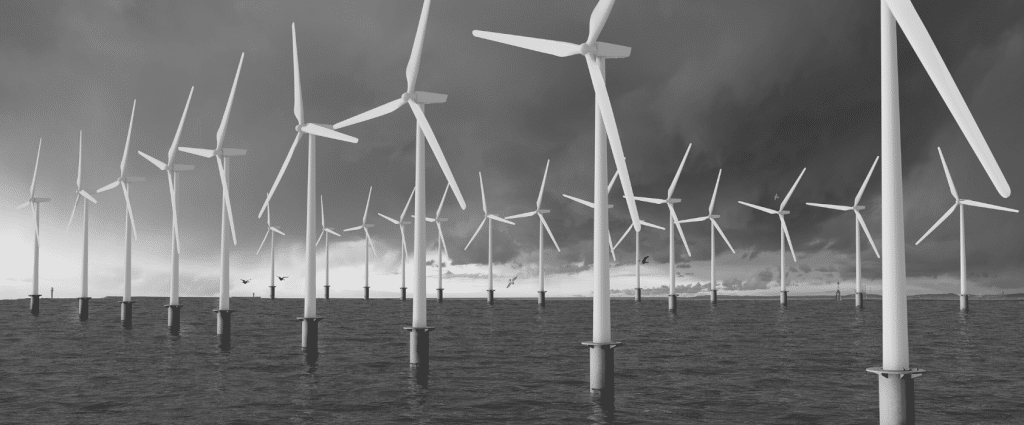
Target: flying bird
<point x="282" y="277"/>
<point x="776" y="196"/>
<point x="512" y="281"/>
<point x="644" y="261"/>
<point x="244" y="281"/>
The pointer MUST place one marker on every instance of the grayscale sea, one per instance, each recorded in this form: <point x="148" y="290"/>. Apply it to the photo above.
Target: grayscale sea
<point x="742" y="361"/>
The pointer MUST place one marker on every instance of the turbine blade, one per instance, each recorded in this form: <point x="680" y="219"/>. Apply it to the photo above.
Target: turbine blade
<point x="407" y="202"/>
<point x="587" y="203"/>
<point x="543" y="181"/>
<point x="989" y="206"/>
<point x="551" y="47"/>
<point x="441" y="204"/>
<point x="481" y="226"/>
<point x="174" y="212"/>
<point x="324" y="131"/>
<point x="319" y="238"/>
<point x="436" y="148"/>
<point x="159" y="164"/>
<point x="692" y="220"/>
<point x="264" y="241"/>
<point x="393" y="221"/>
<point x="78" y="182"/>
<point x="205" y="153"/>
<point x="128" y="206"/>
<point x="608" y="118"/>
<point x="830" y="206"/>
<point x="444" y="243"/>
<point x="679" y="171"/>
<point x="87" y="196"/>
<point x="483" y="194"/>
<point x="280" y="174"/>
<point x="367" y="209"/>
<point x="937" y="223"/>
<point x="722" y="234"/>
<point x="278" y="231"/>
<point x="352" y="229"/>
<point x="405" y="247"/>
<point x="227" y="108"/>
<point x="331" y="231"/>
<point x="494" y="217"/>
<point x="611" y="247"/>
<point x="127" y="141"/>
<point x="35" y="170"/>
<point x="864" y="226"/>
<point x="598" y="18"/>
<point x="949" y="178"/>
<point x="112" y="185"/>
<point x="860" y="193"/>
<point x="177" y="134"/>
<point x="785" y="231"/>
<point x="22" y="206"/>
<point x="650" y="200"/>
<point x="73" y="210"/>
<point x="621" y="238"/>
<point x="322" y="219"/>
<point x="227" y="198"/>
<point x="297" y="80"/>
<point x="711" y="205"/>
<point x="611" y="183"/>
<point x="551" y="235"/>
<point x="791" y="189"/>
<point x="655" y="226"/>
<point x="758" y="207"/>
<point x="379" y="111"/>
<point x="412" y="69"/>
<point x="675" y="219"/>
<point x="525" y="214"/>
<point x="923" y="45"/>
<point x="370" y="240"/>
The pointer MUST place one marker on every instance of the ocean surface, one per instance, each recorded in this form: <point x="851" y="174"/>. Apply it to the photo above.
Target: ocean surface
<point x="743" y="361"/>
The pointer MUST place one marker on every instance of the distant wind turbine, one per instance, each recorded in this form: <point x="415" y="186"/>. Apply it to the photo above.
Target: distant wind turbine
<point x="34" y="203"/>
<point x="714" y="227"/>
<point x="541" y="227"/>
<point x="611" y="183"/>
<point x="441" y="244"/>
<point x="783" y="237"/>
<point x="401" y="227"/>
<point x="273" y="252"/>
<point x="637" y="249"/>
<point x="325" y="235"/>
<point x="488" y="219"/>
<point x="365" y="227"/>
<point x="82" y="195"/>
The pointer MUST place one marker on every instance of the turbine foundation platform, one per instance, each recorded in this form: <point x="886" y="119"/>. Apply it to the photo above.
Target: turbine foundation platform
<point x="327" y="292"/>
<point x="672" y="298"/>
<point x="963" y="302"/>
<point x="310" y="333"/>
<point x="490" y="297"/>
<point x="83" y="308"/>
<point x="714" y="296"/>
<point x="540" y="298"/>
<point x="440" y="295"/>
<point x="859" y="303"/>
<point x="33" y="304"/>
<point x="126" y="313"/>
<point x="637" y="296"/>
<point x="784" y="298"/>
<point x="403" y="292"/>
<point x="896" y="394"/>
<point x="272" y="294"/>
<point x="839" y="296"/>
<point x="602" y="369"/>
<point x="223" y="322"/>
<point x="366" y="293"/>
<point x="419" y="347"/>
<point x="173" y="318"/>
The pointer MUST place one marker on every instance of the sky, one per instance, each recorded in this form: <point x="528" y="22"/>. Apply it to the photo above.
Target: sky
<point x="760" y="89"/>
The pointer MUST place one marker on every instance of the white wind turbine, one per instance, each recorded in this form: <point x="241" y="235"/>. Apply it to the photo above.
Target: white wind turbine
<point x="714" y="227"/>
<point x="82" y="195"/>
<point x="401" y="227"/>
<point x="172" y="169"/>
<point x="365" y="227"/>
<point x="541" y="227"/>
<point x="783" y="237"/>
<point x="637" y="250"/>
<point x="858" y="224"/>
<point x="672" y="219"/>
<point x="488" y="219"/>
<point x="273" y="252"/>
<point x="222" y="156"/>
<point x="34" y="203"/>
<point x="325" y="235"/>
<point x="441" y="244"/>
<point x="595" y="53"/>
<point x="959" y="204"/>
<point x="309" y="319"/>
<point x="417" y="100"/>
<point x="611" y="183"/>
<point x="123" y="180"/>
<point x="895" y="391"/>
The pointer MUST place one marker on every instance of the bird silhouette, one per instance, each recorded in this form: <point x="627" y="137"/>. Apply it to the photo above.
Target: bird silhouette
<point x="776" y="196"/>
<point x="282" y="277"/>
<point x="644" y="261"/>
<point x="511" y="281"/>
<point x="244" y="281"/>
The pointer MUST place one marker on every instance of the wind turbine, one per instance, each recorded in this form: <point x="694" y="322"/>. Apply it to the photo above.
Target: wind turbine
<point x="270" y="231"/>
<point x="672" y="219"/>
<point x="488" y="219"/>
<point x="325" y="234"/>
<point x="401" y="227"/>
<point x="441" y="244"/>
<point x="858" y="224"/>
<point x="82" y="195"/>
<point x="123" y="180"/>
<point x="172" y="169"/>
<point x="783" y="237"/>
<point x="310" y="335"/>
<point x="958" y="204"/>
<point x="895" y="391"/>
<point x="637" y="245"/>
<point x="419" y="354"/>
<point x="602" y="367"/>
<point x="611" y="183"/>
<point x="541" y="227"/>
<point x="714" y="227"/>
<point x="365" y="227"/>
<point x="227" y="219"/>
<point x="34" y="203"/>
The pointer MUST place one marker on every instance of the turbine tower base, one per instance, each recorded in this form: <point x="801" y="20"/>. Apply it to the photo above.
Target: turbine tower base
<point x="541" y="301"/>
<point x="637" y="296"/>
<point x="963" y="302"/>
<point x="33" y="304"/>
<point x="272" y="288"/>
<point x="714" y="296"/>
<point x="896" y="394"/>
<point x="310" y="334"/>
<point x="83" y="308"/>
<point x="672" y="303"/>
<point x="839" y="296"/>
<point x="327" y="292"/>
<point x="784" y="298"/>
<point x="440" y="295"/>
<point x="174" y="318"/>
<point x="859" y="300"/>
<point x="126" y="313"/>
<point x="490" y="297"/>
<point x="602" y="369"/>
<point x="366" y="293"/>
<point x="419" y="348"/>
<point x="224" y="322"/>
<point x="403" y="293"/>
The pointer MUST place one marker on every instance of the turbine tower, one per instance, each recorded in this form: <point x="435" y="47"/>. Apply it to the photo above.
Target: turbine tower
<point x="858" y="224"/>
<point x="419" y="342"/>
<point x="401" y="227"/>
<point x="783" y="237"/>
<point x="82" y="195"/>
<point x="325" y="235"/>
<point x="273" y="252"/>
<point x="541" y="227"/>
<point x="637" y="245"/>
<point x="488" y="219"/>
<point x="227" y="219"/>
<point x="123" y="180"/>
<point x="441" y="244"/>
<point x="310" y="320"/>
<point x="672" y="219"/>
<point x="895" y="390"/>
<point x="602" y="363"/>
<point x="958" y="204"/>
<point x="365" y="227"/>
<point x="34" y="203"/>
<point x="172" y="169"/>
<point x="714" y="227"/>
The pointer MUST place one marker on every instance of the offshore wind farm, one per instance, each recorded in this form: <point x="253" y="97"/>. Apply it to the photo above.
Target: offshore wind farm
<point x="739" y="93"/>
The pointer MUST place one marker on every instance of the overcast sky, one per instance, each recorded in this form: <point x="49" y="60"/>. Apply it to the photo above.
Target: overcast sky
<point x="761" y="90"/>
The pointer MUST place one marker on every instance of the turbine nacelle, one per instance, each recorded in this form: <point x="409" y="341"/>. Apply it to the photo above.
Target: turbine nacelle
<point x="714" y="216"/>
<point x="424" y="98"/>
<point x="605" y="50"/>
<point x="543" y="211"/>
<point x="783" y="212"/>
